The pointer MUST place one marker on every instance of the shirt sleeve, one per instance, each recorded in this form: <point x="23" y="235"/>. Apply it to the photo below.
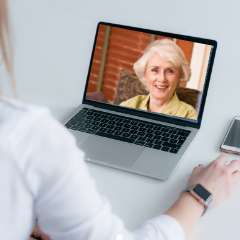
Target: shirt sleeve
<point x="66" y="201"/>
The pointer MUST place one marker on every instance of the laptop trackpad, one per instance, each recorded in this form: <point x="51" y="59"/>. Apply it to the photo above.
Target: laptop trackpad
<point x="110" y="151"/>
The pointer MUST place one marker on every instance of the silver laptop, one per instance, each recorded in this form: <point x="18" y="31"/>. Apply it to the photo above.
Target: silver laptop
<point x="114" y="132"/>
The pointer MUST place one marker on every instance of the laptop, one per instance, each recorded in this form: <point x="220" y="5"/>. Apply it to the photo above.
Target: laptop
<point x="138" y="140"/>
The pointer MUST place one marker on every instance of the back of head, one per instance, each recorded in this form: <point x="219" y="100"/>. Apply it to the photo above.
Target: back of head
<point x="5" y="42"/>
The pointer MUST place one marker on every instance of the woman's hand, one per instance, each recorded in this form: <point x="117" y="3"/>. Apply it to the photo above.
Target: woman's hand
<point x="38" y="234"/>
<point x="218" y="178"/>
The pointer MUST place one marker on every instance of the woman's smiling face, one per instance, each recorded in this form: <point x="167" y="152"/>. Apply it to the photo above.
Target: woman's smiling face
<point x="161" y="77"/>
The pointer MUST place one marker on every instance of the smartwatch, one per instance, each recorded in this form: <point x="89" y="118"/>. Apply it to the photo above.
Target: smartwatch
<point x="201" y="194"/>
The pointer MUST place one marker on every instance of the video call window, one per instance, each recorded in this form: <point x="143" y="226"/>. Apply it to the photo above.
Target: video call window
<point x="148" y="72"/>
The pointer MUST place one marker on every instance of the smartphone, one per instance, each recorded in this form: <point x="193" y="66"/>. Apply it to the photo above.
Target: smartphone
<point x="231" y="141"/>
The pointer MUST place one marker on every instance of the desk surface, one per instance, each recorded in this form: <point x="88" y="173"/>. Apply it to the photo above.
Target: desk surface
<point x="53" y="43"/>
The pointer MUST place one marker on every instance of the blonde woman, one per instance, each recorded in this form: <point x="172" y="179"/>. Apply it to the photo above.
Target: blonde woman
<point x="43" y="175"/>
<point x="161" y="69"/>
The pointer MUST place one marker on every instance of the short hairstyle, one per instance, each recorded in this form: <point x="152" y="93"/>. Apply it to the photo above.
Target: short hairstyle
<point x="169" y="51"/>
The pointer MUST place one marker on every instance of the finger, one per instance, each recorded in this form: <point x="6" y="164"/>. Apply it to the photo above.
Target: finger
<point x="236" y="176"/>
<point x="222" y="159"/>
<point x="233" y="166"/>
<point x="198" y="168"/>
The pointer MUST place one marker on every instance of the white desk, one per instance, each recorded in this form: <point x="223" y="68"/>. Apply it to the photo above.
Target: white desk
<point x="53" y="42"/>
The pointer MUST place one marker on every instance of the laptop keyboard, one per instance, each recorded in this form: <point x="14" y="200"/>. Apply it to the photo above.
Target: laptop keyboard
<point x="157" y="136"/>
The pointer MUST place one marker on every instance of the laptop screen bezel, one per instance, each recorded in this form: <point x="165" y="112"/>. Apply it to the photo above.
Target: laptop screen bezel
<point x="150" y="115"/>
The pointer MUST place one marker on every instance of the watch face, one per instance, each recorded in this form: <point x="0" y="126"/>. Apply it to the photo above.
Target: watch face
<point x="202" y="192"/>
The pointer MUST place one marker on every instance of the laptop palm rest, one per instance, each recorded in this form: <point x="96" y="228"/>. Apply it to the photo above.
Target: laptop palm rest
<point x="110" y="151"/>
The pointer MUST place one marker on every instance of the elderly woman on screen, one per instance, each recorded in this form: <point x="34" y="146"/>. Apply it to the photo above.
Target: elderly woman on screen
<point x="161" y="69"/>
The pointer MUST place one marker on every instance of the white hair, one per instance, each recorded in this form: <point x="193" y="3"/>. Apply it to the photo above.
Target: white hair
<point x="168" y="50"/>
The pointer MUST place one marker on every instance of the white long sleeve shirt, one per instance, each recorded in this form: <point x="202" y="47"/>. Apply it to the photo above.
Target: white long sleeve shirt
<point x="43" y="175"/>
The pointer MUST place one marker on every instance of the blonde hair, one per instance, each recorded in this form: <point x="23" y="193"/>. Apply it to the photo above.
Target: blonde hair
<point x="167" y="50"/>
<point x="5" y="43"/>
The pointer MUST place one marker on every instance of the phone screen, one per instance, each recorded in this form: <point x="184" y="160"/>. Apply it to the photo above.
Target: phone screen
<point x="233" y="137"/>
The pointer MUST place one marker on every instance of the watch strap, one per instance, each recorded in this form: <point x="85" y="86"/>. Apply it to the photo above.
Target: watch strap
<point x="206" y="207"/>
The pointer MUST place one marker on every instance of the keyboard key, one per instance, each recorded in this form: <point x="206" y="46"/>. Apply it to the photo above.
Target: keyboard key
<point x="82" y="129"/>
<point x="96" y="114"/>
<point x="180" y="142"/>
<point x="157" y="127"/>
<point x="102" y="124"/>
<point x="165" y="139"/>
<point x="90" y="131"/>
<point x="134" y="127"/>
<point x="166" y="134"/>
<point x="74" y="128"/>
<point x="158" y="142"/>
<point x="111" y="122"/>
<point x="119" y="120"/>
<point x="110" y="131"/>
<point x="102" y="129"/>
<point x="148" y="126"/>
<point x="104" y="120"/>
<point x="134" y="136"/>
<point x="110" y="126"/>
<point x="89" y="117"/>
<point x="149" y="135"/>
<point x="150" y="131"/>
<point x="117" y="128"/>
<point x="165" y="149"/>
<point x="149" y="145"/>
<point x="184" y="134"/>
<point x="173" y="141"/>
<point x="141" y="133"/>
<point x="174" y="137"/>
<point x="142" y="139"/>
<point x="133" y="123"/>
<point x="88" y="125"/>
<point x="126" y="121"/>
<point x="68" y="125"/>
<point x="158" y="133"/>
<point x="118" y="133"/>
<point x="127" y="125"/>
<point x="141" y="124"/>
<point x="156" y="146"/>
<point x="73" y="123"/>
<point x="126" y="135"/>
<point x="87" y="121"/>
<point x="174" y="132"/>
<point x="149" y="140"/>
<point x="111" y="117"/>
<point x="89" y="113"/>
<point x="173" y="150"/>
<point x="142" y="129"/>
<point x="133" y="131"/>
<point x="120" y="138"/>
<point x="95" y="127"/>
<point x="156" y="137"/>
<point x="95" y="123"/>
<point x="182" y="138"/>
<point x="141" y="143"/>
<point x="125" y="130"/>
<point x="171" y="145"/>
<point x="119" y="124"/>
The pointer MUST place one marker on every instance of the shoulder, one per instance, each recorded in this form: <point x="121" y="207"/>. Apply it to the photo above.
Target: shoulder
<point x="188" y="110"/>
<point x="135" y="101"/>
<point x="29" y="130"/>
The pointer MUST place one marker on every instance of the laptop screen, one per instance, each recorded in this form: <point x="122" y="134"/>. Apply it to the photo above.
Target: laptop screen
<point x="163" y="74"/>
